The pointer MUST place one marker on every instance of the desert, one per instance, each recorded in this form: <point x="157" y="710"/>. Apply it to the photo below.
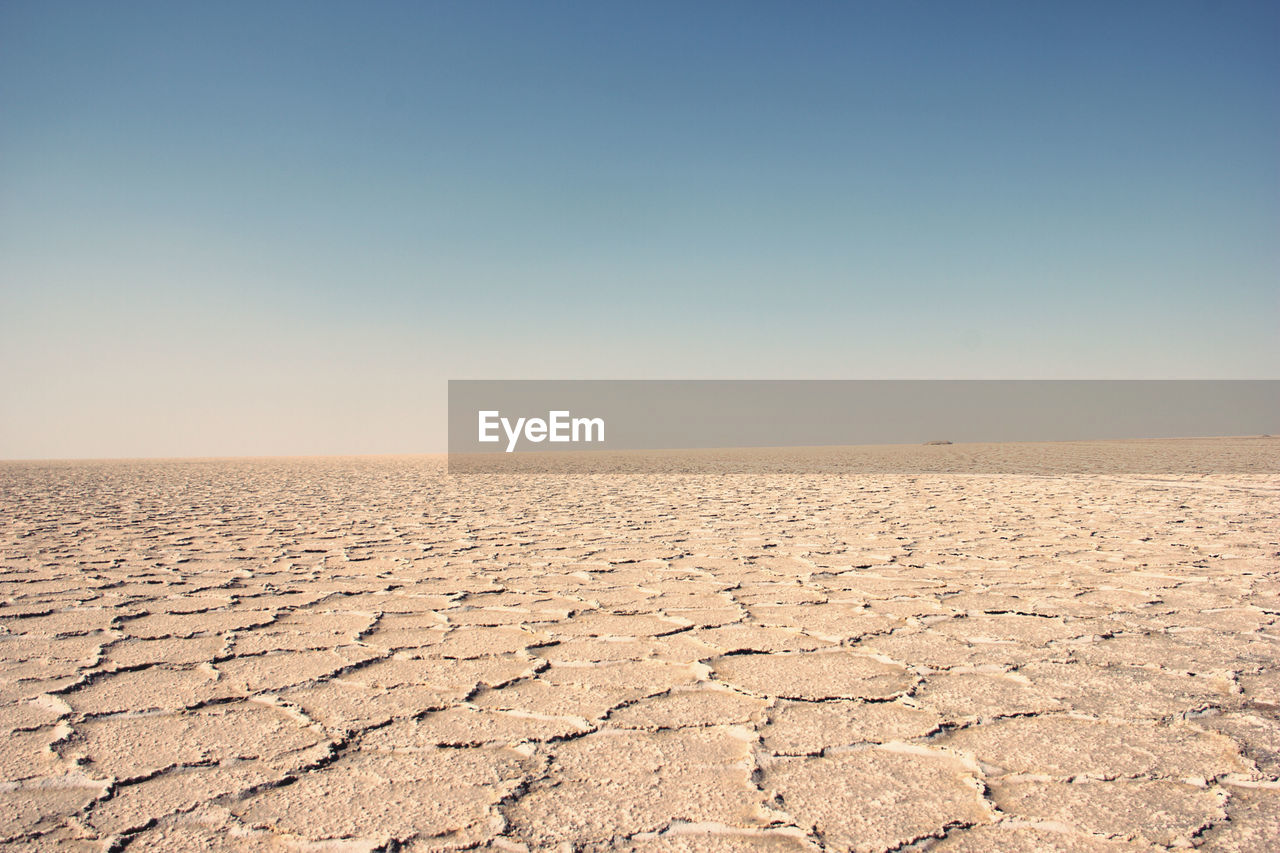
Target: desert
<point x="639" y="426"/>
<point x="371" y="654"/>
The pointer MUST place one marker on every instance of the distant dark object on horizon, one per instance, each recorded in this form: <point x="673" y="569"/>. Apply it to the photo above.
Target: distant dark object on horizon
<point x="935" y="443"/>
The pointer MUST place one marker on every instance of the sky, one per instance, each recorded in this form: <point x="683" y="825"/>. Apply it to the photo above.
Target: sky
<point x="258" y="228"/>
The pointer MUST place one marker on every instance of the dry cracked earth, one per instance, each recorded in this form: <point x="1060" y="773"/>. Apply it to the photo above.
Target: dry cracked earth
<point x="370" y="654"/>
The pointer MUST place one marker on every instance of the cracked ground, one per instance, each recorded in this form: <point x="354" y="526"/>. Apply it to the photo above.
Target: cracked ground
<point x="370" y="654"/>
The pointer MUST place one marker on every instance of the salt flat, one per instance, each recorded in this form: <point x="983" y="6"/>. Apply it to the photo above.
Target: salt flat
<point x="268" y="654"/>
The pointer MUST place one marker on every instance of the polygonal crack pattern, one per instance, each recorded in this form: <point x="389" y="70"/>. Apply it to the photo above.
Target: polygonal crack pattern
<point x="362" y="654"/>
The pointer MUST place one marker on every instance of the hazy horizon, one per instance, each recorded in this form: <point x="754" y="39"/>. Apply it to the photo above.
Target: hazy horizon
<point x="279" y="229"/>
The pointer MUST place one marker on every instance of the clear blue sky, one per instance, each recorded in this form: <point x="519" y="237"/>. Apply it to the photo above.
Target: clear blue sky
<point x="243" y="228"/>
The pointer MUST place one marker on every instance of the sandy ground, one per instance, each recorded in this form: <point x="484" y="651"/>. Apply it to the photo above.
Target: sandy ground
<point x="280" y="653"/>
